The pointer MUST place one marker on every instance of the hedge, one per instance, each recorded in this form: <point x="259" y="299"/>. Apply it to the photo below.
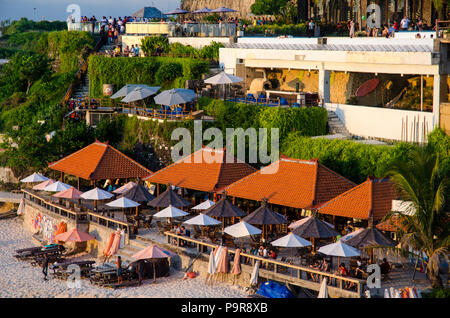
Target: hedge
<point x="139" y="70"/>
<point x="353" y="160"/>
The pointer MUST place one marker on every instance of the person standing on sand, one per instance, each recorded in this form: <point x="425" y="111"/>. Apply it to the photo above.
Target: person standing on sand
<point x="140" y="271"/>
<point x="45" y="266"/>
<point x="119" y="269"/>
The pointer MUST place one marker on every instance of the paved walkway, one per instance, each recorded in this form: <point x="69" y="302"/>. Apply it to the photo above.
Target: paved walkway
<point x="10" y="197"/>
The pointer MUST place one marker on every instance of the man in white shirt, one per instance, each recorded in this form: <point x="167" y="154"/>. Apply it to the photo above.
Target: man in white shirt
<point x="404" y="23"/>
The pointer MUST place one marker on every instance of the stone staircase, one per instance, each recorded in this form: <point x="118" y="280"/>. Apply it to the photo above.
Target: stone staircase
<point x="82" y="89"/>
<point x="336" y="126"/>
<point x="135" y="245"/>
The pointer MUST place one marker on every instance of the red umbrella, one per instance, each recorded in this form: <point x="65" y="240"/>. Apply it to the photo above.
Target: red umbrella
<point x="71" y="193"/>
<point x="74" y="236"/>
<point x="153" y="252"/>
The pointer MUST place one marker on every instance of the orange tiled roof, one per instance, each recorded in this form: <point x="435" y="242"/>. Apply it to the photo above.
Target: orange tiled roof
<point x="196" y="172"/>
<point x="390" y="225"/>
<point x="296" y="183"/>
<point x="100" y="161"/>
<point x="372" y="196"/>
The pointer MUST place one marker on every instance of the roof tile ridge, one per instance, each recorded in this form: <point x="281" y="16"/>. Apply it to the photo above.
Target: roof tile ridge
<point x="343" y="194"/>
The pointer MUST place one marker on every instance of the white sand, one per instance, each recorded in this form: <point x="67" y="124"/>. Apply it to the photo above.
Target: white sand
<point x="20" y="279"/>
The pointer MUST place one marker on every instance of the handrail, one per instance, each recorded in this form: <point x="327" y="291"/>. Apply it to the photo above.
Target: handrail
<point x="57" y="206"/>
<point x="359" y="283"/>
<point x="86" y="213"/>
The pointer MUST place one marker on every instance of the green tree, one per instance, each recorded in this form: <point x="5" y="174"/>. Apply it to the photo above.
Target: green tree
<point x="28" y="68"/>
<point x="421" y="180"/>
<point x="272" y="7"/>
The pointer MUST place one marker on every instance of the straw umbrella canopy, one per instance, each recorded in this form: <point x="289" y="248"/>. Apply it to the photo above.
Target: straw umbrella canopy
<point x="204" y="205"/>
<point x="74" y="235"/>
<point x="369" y="238"/>
<point x="169" y="197"/>
<point x="265" y="216"/>
<point x="57" y="187"/>
<point x="96" y="194"/>
<point x="242" y="229"/>
<point x="291" y="240"/>
<point x="175" y="96"/>
<point x="124" y="188"/>
<point x="224" y="209"/>
<point x="339" y="249"/>
<point x="315" y="228"/>
<point x="223" y="78"/>
<point x="42" y="185"/>
<point x="35" y="177"/>
<point x="138" y="193"/>
<point x="152" y="252"/>
<point x="297" y="223"/>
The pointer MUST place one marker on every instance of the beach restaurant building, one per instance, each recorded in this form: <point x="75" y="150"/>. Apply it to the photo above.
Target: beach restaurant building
<point x="99" y="161"/>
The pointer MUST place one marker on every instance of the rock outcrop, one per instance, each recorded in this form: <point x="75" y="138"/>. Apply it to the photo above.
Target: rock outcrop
<point x="242" y="6"/>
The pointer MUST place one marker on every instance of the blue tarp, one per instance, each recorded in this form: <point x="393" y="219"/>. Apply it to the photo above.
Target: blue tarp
<point x="272" y="289"/>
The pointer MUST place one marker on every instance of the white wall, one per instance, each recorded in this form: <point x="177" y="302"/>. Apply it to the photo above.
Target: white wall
<point x="400" y="39"/>
<point x="379" y="122"/>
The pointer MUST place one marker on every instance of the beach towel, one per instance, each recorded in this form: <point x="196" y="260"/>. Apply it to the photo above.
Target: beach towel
<point x="222" y="265"/>
<point x="108" y="246"/>
<point x="115" y="244"/>
<point x="255" y="273"/>
<point x="237" y="263"/>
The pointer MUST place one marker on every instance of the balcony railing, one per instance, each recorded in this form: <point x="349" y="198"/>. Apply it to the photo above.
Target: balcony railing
<point x="169" y="29"/>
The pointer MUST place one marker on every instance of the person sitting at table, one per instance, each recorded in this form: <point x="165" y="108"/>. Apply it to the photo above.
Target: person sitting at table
<point x="315" y="266"/>
<point x="254" y="250"/>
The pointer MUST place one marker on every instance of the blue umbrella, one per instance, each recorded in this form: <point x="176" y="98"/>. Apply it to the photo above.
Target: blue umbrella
<point x="177" y="11"/>
<point x="203" y="10"/>
<point x="175" y="96"/>
<point x="223" y="9"/>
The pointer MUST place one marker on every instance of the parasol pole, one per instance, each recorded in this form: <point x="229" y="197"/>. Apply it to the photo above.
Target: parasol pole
<point x="154" y="272"/>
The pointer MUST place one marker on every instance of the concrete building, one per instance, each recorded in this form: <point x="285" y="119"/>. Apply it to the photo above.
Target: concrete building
<point x="409" y="76"/>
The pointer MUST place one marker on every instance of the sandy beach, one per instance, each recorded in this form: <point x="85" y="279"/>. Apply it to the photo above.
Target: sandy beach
<point x="20" y="279"/>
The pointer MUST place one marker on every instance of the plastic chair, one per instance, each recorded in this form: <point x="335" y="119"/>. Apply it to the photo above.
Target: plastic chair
<point x="296" y="105"/>
<point x="283" y="101"/>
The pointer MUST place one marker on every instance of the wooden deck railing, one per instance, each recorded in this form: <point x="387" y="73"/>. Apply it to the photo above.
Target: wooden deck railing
<point x="303" y="274"/>
<point x="85" y="215"/>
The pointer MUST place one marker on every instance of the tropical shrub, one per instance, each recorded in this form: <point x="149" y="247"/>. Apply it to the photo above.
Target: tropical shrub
<point x="168" y="72"/>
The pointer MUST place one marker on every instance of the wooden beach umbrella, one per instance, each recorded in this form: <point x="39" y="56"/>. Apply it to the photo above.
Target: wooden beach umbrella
<point x="74" y="235"/>
<point x="264" y="216"/>
<point x="339" y="249"/>
<point x="35" y="177"/>
<point x="204" y="205"/>
<point x="224" y="209"/>
<point x="370" y="238"/>
<point x="170" y="212"/>
<point x="241" y="230"/>
<point x="57" y="186"/>
<point x="315" y="228"/>
<point x="123" y="203"/>
<point x="71" y="193"/>
<point x="153" y="252"/>
<point x="203" y="221"/>
<point x="124" y="188"/>
<point x="169" y="197"/>
<point x="292" y="241"/>
<point x="96" y="194"/>
<point x="43" y="184"/>
<point x="138" y="193"/>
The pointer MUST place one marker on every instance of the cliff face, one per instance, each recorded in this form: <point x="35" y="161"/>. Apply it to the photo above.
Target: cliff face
<point x="242" y="6"/>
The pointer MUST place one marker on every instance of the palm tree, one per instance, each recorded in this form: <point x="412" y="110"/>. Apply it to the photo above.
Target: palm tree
<point x="425" y="227"/>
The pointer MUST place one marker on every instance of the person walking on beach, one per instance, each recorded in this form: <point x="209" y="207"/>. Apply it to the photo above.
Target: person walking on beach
<point x="45" y="266"/>
<point x="140" y="271"/>
<point x="119" y="270"/>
